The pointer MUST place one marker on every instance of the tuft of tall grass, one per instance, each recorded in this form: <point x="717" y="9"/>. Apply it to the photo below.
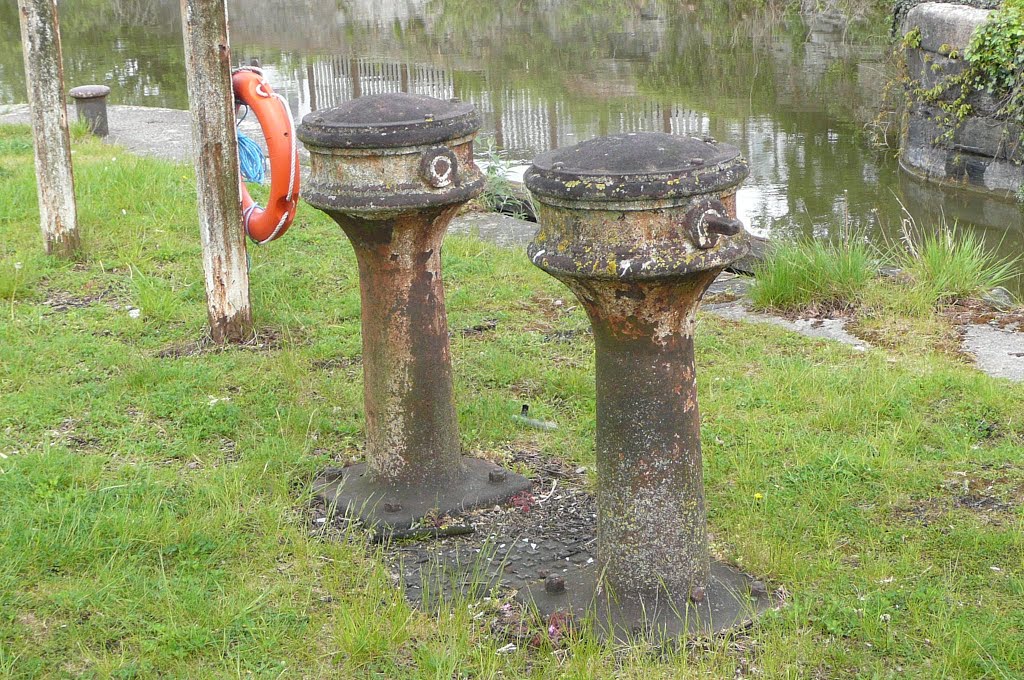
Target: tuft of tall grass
<point x="950" y="263"/>
<point x="500" y="194"/>
<point x="808" y="272"/>
<point x="939" y="265"/>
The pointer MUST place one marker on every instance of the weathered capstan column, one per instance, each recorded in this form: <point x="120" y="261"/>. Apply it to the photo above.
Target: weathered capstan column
<point x="638" y="226"/>
<point x="392" y="170"/>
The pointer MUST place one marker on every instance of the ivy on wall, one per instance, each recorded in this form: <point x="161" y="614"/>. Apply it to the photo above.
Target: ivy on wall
<point x="993" y="64"/>
<point x="996" y="58"/>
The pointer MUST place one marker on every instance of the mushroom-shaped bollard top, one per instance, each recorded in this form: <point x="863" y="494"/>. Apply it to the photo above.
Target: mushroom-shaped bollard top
<point x="89" y="91"/>
<point x="381" y="154"/>
<point x="638" y="226"/>
<point x="686" y="187"/>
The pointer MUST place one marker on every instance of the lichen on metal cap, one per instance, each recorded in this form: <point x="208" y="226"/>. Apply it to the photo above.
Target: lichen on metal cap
<point x="391" y="120"/>
<point x="641" y="166"/>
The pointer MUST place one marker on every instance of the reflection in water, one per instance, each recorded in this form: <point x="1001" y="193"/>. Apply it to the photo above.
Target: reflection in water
<point x="791" y="93"/>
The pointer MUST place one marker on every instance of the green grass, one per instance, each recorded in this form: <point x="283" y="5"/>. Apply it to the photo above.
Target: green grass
<point x="949" y="263"/>
<point x="797" y="274"/>
<point x="937" y="267"/>
<point x="154" y="517"/>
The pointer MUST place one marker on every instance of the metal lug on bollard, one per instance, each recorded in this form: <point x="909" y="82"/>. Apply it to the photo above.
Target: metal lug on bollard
<point x="392" y="170"/>
<point x="638" y="226"/>
<point x="91" y="107"/>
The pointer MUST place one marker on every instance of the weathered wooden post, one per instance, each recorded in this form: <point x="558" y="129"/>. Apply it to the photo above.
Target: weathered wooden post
<point x="208" y="71"/>
<point x="44" y="77"/>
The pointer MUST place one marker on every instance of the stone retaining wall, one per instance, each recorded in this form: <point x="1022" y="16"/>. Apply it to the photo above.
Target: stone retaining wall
<point x="983" y="152"/>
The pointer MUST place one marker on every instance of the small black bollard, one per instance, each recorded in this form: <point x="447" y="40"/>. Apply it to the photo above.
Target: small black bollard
<point x="639" y="226"/>
<point x="91" y="107"/>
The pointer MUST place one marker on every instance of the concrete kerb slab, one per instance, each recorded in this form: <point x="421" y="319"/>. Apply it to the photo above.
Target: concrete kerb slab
<point x="501" y="230"/>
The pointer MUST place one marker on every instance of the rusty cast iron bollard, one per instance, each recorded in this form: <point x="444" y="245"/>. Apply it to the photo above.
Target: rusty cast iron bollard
<point x="91" y="107"/>
<point x="392" y="170"/>
<point x="638" y="226"/>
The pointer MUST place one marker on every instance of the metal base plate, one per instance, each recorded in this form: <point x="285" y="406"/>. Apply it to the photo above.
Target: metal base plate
<point x="414" y="510"/>
<point x="728" y="604"/>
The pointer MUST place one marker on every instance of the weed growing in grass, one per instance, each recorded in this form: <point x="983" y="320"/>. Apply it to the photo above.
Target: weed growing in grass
<point x="499" y="194"/>
<point x="11" y="283"/>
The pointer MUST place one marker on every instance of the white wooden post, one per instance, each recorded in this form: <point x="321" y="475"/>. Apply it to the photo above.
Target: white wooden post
<point x="44" y="77"/>
<point x="208" y="71"/>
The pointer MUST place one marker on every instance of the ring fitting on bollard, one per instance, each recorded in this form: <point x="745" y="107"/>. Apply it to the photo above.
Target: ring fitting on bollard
<point x="438" y="168"/>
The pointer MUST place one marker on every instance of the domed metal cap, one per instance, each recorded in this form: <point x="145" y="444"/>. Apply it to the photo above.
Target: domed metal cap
<point x="387" y="121"/>
<point x="639" y="166"/>
<point x="89" y="91"/>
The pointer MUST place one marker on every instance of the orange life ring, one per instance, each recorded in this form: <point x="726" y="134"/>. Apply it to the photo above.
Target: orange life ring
<point x="265" y="224"/>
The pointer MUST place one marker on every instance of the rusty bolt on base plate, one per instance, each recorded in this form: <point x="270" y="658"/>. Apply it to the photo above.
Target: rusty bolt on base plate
<point x="638" y="226"/>
<point x="392" y="170"/>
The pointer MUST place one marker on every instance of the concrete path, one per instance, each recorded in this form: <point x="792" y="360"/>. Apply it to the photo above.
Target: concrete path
<point x="167" y="134"/>
<point x="822" y="329"/>
<point x="146" y="131"/>
<point x="997" y="352"/>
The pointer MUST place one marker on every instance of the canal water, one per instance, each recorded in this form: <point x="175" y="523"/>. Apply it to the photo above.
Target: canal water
<point x="797" y="94"/>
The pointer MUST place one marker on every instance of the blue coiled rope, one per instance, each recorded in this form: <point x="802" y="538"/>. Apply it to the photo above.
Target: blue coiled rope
<point x="250" y="157"/>
<point x="251" y="164"/>
<point x="250" y="160"/>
